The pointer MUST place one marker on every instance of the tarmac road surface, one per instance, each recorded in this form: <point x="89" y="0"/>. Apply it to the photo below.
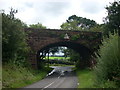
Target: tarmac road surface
<point x="59" y="77"/>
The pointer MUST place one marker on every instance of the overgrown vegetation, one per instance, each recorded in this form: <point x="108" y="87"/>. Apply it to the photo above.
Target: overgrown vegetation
<point x="58" y="58"/>
<point x="78" y="23"/>
<point x="107" y="70"/>
<point x="85" y="78"/>
<point x="14" y="45"/>
<point x="106" y="73"/>
<point x="112" y="21"/>
<point x="16" y="71"/>
<point x="18" y="76"/>
<point x="37" y="26"/>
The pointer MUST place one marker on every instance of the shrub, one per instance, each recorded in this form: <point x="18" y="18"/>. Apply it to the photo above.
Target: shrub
<point x="14" y="76"/>
<point x="75" y="37"/>
<point x="108" y="63"/>
<point x="14" y="46"/>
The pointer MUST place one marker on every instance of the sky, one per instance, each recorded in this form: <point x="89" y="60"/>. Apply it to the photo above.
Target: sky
<point x="52" y="13"/>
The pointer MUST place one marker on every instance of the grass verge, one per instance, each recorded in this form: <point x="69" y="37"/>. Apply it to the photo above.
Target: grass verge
<point x="85" y="78"/>
<point x="60" y="65"/>
<point x="14" y="76"/>
<point x="59" y="58"/>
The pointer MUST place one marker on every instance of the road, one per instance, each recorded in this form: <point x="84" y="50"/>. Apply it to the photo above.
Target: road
<point x="59" y="77"/>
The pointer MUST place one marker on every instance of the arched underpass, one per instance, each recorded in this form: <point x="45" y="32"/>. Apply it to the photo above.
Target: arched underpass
<point x="64" y="76"/>
<point x="83" y="42"/>
<point x="85" y="53"/>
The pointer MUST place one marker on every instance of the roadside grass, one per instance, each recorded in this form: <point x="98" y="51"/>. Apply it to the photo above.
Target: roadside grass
<point x="14" y="76"/>
<point x="60" y="65"/>
<point x="85" y="78"/>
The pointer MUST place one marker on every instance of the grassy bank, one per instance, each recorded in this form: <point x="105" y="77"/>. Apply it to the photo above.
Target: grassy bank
<point x="15" y="76"/>
<point x="59" y="58"/>
<point x="85" y="78"/>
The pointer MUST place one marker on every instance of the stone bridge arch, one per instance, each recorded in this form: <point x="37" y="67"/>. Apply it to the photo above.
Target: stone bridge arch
<point x="81" y="41"/>
<point x="84" y="52"/>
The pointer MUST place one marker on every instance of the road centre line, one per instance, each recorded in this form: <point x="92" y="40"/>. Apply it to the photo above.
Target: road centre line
<point x="50" y="84"/>
<point x="60" y="82"/>
<point x="59" y="76"/>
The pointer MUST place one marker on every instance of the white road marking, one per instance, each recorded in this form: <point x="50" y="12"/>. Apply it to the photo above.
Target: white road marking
<point x="50" y="84"/>
<point x="59" y="76"/>
<point x="60" y="83"/>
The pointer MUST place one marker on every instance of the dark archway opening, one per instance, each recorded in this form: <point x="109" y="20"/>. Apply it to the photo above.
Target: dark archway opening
<point x="84" y="52"/>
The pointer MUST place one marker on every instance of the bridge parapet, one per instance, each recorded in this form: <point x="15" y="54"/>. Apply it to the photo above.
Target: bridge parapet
<point x="46" y="36"/>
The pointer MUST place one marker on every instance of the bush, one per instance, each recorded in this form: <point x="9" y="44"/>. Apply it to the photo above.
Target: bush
<point x="14" y="76"/>
<point x="14" y="46"/>
<point x="108" y="63"/>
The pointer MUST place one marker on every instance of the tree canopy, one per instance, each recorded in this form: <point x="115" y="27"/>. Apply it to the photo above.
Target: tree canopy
<point x="14" y="45"/>
<point x="37" y="26"/>
<point x="78" y="23"/>
<point x="113" y="18"/>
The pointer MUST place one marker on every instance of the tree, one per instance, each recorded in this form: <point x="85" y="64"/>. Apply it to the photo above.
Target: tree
<point x="113" y="18"/>
<point x="107" y="69"/>
<point x="98" y="28"/>
<point x="78" y="23"/>
<point x="54" y="50"/>
<point x="70" y="26"/>
<point x="37" y="26"/>
<point x="14" y="46"/>
<point x="66" y="51"/>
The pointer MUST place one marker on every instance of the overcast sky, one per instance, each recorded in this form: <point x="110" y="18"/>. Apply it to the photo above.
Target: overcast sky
<point x="52" y="13"/>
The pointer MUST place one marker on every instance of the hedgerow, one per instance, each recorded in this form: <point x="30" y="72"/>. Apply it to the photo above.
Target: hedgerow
<point x="107" y="70"/>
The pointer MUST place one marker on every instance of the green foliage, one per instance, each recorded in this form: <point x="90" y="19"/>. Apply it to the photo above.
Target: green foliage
<point x="75" y="37"/>
<point x="74" y="56"/>
<point x="107" y="70"/>
<point x="37" y="26"/>
<point x="65" y="51"/>
<point x="98" y="28"/>
<point x="107" y="84"/>
<point x="113" y="19"/>
<point x="85" y="78"/>
<point x="70" y="26"/>
<point x="14" y="46"/>
<point x="57" y="58"/>
<point x="78" y="23"/>
<point x="84" y="23"/>
<point x="62" y="36"/>
<point x="14" y="76"/>
<point x="54" y="50"/>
